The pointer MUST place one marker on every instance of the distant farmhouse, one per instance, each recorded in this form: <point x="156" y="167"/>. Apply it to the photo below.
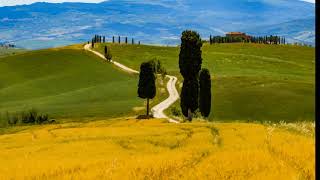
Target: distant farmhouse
<point x="238" y="35"/>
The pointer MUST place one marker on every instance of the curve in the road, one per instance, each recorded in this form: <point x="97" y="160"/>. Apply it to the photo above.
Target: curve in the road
<point x="158" y="110"/>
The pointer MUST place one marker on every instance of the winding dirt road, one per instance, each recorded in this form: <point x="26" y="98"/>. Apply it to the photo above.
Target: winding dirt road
<point x="157" y="110"/>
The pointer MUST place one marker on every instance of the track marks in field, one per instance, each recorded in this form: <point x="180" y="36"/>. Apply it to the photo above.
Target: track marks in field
<point x="285" y="158"/>
<point x="217" y="140"/>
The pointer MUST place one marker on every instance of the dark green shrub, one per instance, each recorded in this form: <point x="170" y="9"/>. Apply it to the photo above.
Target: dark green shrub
<point x="157" y="67"/>
<point x="26" y="117"/>
<point x="42" y="118"/>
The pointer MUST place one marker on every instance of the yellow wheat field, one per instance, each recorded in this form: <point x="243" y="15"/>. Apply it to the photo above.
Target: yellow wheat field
<point x="154" y="149"/>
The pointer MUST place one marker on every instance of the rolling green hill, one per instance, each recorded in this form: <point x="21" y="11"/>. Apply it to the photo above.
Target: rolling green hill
<point x="66" y="82"/>
<point x="250" y="81"/>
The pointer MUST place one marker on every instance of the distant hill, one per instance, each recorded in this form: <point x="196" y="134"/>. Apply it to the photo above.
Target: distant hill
<point x="300" y="30"/>
<point x="42" y="25"/>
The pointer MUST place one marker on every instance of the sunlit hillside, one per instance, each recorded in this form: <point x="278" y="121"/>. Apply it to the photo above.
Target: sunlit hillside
<point x="155" y="149"/>
<point x="252" y="82"/>
<point x="69" y="82"/>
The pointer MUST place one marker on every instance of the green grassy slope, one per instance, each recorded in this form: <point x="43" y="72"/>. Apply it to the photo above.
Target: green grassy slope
<point x="250" y="81"/>
<point x="66" y="83"/>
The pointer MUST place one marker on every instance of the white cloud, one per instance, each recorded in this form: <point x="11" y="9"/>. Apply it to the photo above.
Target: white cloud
<point x="20" y="2"/>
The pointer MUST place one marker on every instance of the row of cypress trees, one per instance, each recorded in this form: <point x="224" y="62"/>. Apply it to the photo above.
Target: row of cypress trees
<point x="102" y="39"/>
<point x="125" y="40"/>
<point x="252" y="39"/>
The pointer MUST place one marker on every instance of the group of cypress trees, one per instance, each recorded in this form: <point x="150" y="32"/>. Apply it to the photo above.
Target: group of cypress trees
<point x="253" y="39"/>
<point x="268" y="39"/>
<point x="190" y="61"/>
<point x="98" y="39"/>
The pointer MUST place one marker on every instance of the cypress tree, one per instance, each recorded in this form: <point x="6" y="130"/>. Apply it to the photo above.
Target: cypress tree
<point x="107" y="53"/>
<point x="205" y="92"/>
<point x="92" y="43"/>
<point x="147" y="86"/>
<point x="104" y="39"/>
<point x="126" y="40"/>
<point x="189" y="97"/>
<point x="112" y="39"/>
<point x="190" y="64"/>
<point x="119" y="40"/>
<point x="132" y="41"/>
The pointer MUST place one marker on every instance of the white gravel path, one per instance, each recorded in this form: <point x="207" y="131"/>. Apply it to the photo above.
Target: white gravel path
<point x="157" y="110"/>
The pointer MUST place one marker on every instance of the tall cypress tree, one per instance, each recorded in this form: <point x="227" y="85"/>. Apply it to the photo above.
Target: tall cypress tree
<point x="205" y="92"/>
<point x="132" y="41"/>
<point x="104" y="39"/>
<point x="190" y="61"/>
<point x="107" y="53"/>
<point x="126" y="40"/>
<point x="112" y="39"/>
<point x="147" y="86"/>
<point x="119" y="40"/>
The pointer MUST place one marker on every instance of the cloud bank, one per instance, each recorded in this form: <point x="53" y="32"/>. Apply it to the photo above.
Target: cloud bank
<point x="21" y="2"/>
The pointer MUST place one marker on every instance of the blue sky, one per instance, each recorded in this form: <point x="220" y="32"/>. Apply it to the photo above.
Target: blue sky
<point x="19" y="2"/>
